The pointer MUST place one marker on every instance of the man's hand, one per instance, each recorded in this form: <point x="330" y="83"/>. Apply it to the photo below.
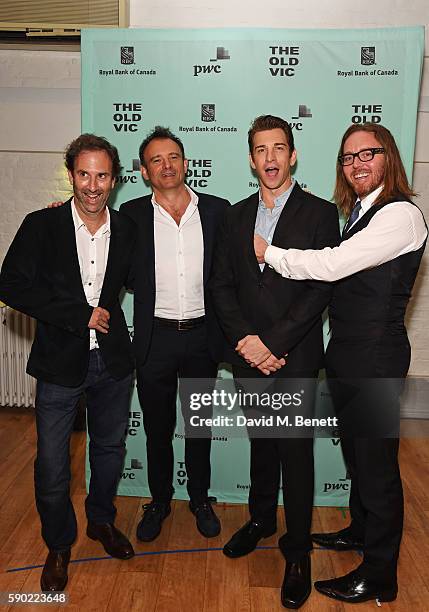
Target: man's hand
<point x="54" y="204"/>
<point x="99" y="320"/>
<point x="253" y="350"/>
<point x="272" y="364"/>
<point x="260" y="246"/>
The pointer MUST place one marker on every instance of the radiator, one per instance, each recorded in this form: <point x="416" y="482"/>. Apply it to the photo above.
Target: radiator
<point x="16" y="335"/>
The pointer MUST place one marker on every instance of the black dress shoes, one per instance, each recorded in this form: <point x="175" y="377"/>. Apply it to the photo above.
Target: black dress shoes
<point x="245" y="539"/>
<point x="355" y="588"/>
<point x="338" y="540"/>
<point x="54" y="575"/>
<point x="114" y="542"/>
<point x="154" y="514"/>
<point x="208" y="523"/>
<point x="296" y="585"/>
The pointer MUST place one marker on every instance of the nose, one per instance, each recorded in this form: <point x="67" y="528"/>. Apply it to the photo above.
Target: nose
<point x="167" y="163"/>
<point x="357" y="162"/>
<point x="270" y="154"/>
<point x="92" y="183"/>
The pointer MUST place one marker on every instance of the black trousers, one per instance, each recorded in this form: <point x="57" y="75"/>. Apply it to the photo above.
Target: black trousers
<point x="172" y="355"/>
<point x="107" y="402"/>
<point x="293" y="459"/>
<point x="376" y="497"/>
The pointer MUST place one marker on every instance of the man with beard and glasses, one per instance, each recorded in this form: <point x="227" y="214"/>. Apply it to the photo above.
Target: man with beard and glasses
<point x="368" y="354"/>
<point x="275" y="327"/>
<point x="66" y="267"/>
<point x="176" y="333"/>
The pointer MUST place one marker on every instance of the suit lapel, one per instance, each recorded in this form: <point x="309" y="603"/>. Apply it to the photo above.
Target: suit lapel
<point x="147" y="234"/>
<point x="115" y="243"/>
<point x="208" y="226"/>
<point x="289" y="211"/>
<point x="250" y="212"/>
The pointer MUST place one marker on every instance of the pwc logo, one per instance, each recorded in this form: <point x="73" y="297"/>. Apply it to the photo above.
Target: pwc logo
<point x="213" y="67"/>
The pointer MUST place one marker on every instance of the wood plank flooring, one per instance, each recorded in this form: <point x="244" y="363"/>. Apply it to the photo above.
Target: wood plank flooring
<point x="187" y="581"/>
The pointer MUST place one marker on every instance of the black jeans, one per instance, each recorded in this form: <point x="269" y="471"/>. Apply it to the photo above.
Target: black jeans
<point x="107" y="415"/>
<point x="173" y="354"/>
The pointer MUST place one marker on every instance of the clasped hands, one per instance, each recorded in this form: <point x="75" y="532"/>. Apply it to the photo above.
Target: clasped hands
<point x="254" y="351"/>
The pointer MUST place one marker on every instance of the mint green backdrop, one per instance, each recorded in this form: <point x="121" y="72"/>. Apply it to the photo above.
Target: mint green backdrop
<point x="207" y="86"/>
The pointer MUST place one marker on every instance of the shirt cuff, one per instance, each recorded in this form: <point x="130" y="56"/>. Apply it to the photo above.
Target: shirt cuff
<point x="273" y="257"/>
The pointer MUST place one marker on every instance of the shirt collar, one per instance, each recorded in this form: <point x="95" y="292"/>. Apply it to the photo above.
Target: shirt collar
<point x="193" y="202"/>
<point x="78" y="223"/>
<point x="280" y="200"/>
<point x="369" y="200"/>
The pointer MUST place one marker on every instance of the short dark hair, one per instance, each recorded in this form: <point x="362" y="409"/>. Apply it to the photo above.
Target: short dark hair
<point x="91" y="142"/>
<point x="270" y="122"/>
<point x="162" y="133"/>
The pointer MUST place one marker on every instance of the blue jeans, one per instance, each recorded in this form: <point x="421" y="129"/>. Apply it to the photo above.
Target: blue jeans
<point x="107" y="416"/>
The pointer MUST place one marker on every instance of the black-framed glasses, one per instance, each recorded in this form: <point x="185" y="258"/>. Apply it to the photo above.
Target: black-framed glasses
<point x="364" y="156"/>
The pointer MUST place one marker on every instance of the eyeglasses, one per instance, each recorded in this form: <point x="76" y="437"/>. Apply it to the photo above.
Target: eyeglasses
<point x="365" y="155"/>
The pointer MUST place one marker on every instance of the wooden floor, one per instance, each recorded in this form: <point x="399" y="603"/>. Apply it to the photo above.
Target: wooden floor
<point x="194" y="581"/>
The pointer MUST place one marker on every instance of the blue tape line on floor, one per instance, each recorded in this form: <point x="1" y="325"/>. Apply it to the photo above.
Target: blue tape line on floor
<point x="145" y="554"/>
<point x="140" y="554"/>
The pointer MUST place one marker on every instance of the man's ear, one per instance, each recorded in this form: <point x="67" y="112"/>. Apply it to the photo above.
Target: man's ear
<point x="144" y="173"/>
<point x="293" y="158"/>
<point x="252" y="163"/>
<point x="185" y="165"/>
<point x="70" y="175"/>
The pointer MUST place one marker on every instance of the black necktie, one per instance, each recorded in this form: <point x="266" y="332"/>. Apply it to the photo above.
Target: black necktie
<point x="354" y="215"/>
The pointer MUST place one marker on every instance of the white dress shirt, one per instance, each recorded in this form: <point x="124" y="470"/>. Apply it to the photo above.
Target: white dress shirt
<point x="179" y="255"/>
<point x="92" y="252"/>
<point x="394" y="230"/>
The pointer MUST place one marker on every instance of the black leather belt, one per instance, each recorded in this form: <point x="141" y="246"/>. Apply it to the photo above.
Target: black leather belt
<point x="180" y="325"/>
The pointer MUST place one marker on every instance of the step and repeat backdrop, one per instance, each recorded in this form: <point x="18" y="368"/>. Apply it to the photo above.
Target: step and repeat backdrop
<point x="207" y="86"/>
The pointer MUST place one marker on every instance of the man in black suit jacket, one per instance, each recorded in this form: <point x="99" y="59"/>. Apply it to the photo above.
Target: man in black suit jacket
<point x="275" y="327"/>
<point x="176" y="333"/>
<point x="66" y="267"/>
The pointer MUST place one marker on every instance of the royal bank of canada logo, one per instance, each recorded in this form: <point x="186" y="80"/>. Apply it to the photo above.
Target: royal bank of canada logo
<point x="208" y="112"/>
<point x="221" y="55"/>
<point x="127" y="55"/>
<point x="367" y="56"/>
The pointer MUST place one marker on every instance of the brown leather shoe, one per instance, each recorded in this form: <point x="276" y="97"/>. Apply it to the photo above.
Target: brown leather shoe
<point x="113" y="541"/>
<point x="54" y="575"/>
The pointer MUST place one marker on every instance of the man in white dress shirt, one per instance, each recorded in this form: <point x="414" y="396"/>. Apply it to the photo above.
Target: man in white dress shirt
<point x="369" y="353"/>
<point x="176" y="330"/>
<point x="66" y="268"/>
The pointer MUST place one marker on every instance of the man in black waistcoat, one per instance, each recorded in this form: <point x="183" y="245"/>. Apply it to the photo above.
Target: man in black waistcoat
<point x="66" y="267"/>
<point x="369" y="353"/>
<point x="265" y="317"/>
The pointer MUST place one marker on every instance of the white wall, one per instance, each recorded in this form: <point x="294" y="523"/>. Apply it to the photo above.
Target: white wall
<point x="40" y="107"/>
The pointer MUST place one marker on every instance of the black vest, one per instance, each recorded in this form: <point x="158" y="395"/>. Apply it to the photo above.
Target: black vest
<point x="371" y="304"/>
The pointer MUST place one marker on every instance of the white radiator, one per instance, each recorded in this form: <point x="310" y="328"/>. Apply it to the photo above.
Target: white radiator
<point x="16" y="335"/>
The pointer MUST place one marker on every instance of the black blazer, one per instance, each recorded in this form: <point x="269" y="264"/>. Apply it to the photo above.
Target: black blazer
<point x="40" y="276"/>
<point x="285" y="313"/>
<point x="140" y="210"/>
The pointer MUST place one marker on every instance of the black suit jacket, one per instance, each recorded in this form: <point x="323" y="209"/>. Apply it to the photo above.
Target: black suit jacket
<point x="140" y="210"/>
<point x="41" y="277"/>
<point x="285" y="313"/>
